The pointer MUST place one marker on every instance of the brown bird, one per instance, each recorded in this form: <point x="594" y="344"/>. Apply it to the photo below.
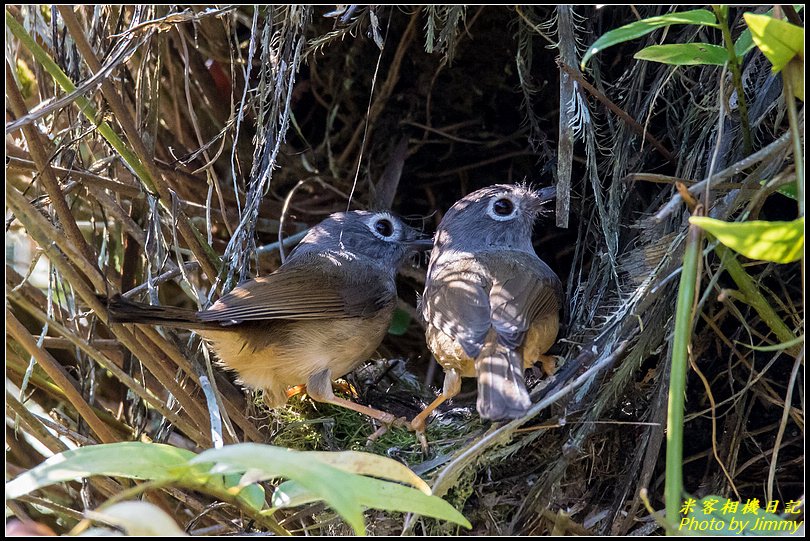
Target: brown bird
<point x="490" y="304"/>
<point x="324" y="311"/>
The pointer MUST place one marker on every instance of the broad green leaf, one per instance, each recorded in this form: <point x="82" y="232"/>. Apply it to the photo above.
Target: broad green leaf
<point x="645" y="26"/>
<point x="377" y="494"/>
<point x="744" y="43"/>
<point x="132" y="460"/>
<point x="292" y="494"/>
<point x="778" y="40"/>
<point x="347" y="493"/>
<point x="780" y="242"/>
<point x="715" y="515"/>
<point x="684" y="54"/>
<point x="399" y="323"/>
<point x="249" y="492"/>
<point x="138" y="518"/>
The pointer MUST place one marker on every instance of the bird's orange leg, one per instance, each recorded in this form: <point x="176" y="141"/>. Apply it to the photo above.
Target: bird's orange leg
<point x="292" y="391"/>
<point x="549" y="364"/>
<point x="319" y="388"/>
<point x="451" y="387"/>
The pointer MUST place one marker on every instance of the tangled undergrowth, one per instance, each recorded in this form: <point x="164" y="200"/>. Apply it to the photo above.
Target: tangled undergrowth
<point x="201" y="141"/>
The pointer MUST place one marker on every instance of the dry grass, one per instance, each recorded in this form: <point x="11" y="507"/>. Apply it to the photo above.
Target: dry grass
<point x="219" y="114"/>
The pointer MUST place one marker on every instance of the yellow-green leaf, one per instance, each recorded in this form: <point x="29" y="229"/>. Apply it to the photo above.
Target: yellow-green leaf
<point x="778" y="40"/>
<point x="780" y="242"/>
<point x="374" y="465"/>
<point x="745" y="43"/>
<point x="684" y="54"/>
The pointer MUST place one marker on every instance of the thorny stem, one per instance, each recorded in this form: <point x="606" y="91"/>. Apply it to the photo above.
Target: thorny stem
<point x="736" y="73"/>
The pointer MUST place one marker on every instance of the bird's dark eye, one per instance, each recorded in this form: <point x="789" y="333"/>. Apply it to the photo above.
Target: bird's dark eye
<point x="503" y="207"/>
<point x="384" y="227"/>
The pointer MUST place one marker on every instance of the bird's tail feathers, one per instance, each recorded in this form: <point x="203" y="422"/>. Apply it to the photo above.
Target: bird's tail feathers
<point x="502" y="390"/>
<point x="123" y="310"/>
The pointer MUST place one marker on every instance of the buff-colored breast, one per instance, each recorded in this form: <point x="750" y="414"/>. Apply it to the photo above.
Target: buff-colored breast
<point x="276" y="355"/>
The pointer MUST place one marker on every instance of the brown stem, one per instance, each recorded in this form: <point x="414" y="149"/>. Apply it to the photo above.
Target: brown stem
<point x="60" y="377"/>
<point x="41" y="230"/>
<point x="49" y="181"/>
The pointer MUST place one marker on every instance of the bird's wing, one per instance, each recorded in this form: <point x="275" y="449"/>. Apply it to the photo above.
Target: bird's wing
<point x="524" y="290"/>
<point x="304" y="293"/>
<point x="456" y="302"/>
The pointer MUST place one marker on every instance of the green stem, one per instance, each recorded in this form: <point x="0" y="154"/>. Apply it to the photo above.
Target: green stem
<point x="736" y="73"/>
<point x="753" y="296"/>
<point x="673" y="489"/>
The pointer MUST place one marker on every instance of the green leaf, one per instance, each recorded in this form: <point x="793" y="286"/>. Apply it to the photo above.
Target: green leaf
<point x="645" y="26"/>
<point x="249" y="492"/>
<point x="132" y="460"/>
<point x="778" y="40"/>
<point x="376" y="494"/>
<point x="399" y="323"/>
<point x="329" y="477"/>
<point x="274" y="462"/>
<point x="317" y="479"/>
<point x="292" y="494"/>
<point x="715" y="515"/>
<point x="789" y="189"/>
<point x="744" y="43"/>
<point x="684" y="54"/>
<point x="780" y="242"/>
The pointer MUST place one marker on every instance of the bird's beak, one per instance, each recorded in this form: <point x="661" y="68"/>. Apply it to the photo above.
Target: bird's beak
<point x="419" y="244"/>
<point x="543" y="196"/>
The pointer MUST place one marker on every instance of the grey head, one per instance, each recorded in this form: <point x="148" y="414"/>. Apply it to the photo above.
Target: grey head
<point x="498" y="216"/>
<point x="380" y="238"/>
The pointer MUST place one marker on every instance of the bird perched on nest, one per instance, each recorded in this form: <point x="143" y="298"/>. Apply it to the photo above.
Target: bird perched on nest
<point x="491" y="306"/>
<point x="324" y="311"/>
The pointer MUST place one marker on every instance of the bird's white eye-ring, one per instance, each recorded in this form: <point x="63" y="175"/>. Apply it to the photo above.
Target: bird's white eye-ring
<point x="502" y="208"/>
<point x="385" y="227"/>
